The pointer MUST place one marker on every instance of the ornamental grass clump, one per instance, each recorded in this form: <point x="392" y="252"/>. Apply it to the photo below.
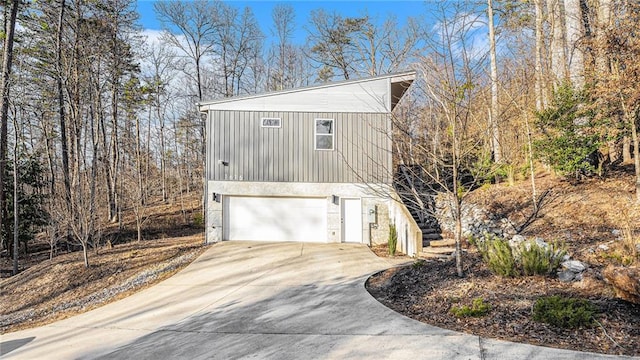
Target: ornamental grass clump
<point x="498" y="256"/>
<point x="393" y="239"/>
<point x="528" y="258"/>
<point x="537" y="259"/>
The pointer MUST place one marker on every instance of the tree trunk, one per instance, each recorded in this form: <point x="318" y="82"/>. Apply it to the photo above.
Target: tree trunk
<point x="626" y="150"/>
<point x="558" y="46"/>
<point x="495" y="112"/>
<point x="15" y="201"/>
<point x="5" y="84"/>
<point x="61" y="110"/>
<point x="85" y="254"/>
<point x="458" y="233"/>
<point x="575" y="32"/>
<point x="457" y="200"/>
<point x="603" y="66"/>
<point x="115" y="157"/>
<point x="636" y="151"/>
<point x="534" y="195"/>
<point x="141" y="198"/>
<point x="163" y="162"/>
<point x="539" y="84"/>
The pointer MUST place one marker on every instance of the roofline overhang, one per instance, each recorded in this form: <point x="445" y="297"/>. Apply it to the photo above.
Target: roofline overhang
<point x="394" y="78"/>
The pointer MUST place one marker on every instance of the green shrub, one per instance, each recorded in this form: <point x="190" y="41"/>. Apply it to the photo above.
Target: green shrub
<point x="198" y="220"/>
<point x="498" y="256"/>
<point x="478" y="308"/>
<point x="534" y="259"/>
<point x="564" y="312"/>
<point x="418" y="264"/>
<point x="569" y="135"/>
<point x="393" y="239"/>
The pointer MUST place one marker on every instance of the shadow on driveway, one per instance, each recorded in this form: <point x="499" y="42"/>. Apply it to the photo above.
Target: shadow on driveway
<point x="8" y="346"/>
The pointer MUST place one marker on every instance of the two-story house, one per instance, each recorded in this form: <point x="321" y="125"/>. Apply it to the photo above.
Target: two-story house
<point x="312" y="164"/>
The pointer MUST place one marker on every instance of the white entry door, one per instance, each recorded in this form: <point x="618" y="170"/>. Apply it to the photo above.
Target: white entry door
<point x="352" y="220"/>
<point x="275" y="219"/>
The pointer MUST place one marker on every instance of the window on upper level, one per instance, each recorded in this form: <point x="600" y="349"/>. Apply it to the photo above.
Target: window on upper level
<point x="324" y="132"/>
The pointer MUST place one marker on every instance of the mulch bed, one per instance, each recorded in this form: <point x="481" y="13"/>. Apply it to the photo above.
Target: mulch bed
<point x="426" y="291"/>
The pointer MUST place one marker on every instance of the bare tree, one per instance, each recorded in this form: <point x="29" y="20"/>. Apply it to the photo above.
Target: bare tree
<point x="387" y="48"/>
<point x="197" y="23"/>
<point x="11" y="13"/>
<point x="494" y="111"/>
<point x="238" y="40"/>
<point x="446" y="144"/>
<point x="283" y="17"/>
<point x="162" y="65"/>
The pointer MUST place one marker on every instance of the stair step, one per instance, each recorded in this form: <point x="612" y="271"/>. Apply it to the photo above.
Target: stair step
<point x="443" y="243"/>
<point x="435" y="236"/>
<point x="424" y="255"/>
<point x="438" y="250"/>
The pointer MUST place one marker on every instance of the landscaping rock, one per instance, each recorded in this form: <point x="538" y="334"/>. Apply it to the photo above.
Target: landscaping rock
<point x="574" y="266"/>
<point x="572" y="270"/>
<point x="625" y="281"/>
<point x="516" y="240"/>
<point x="543" y="244"/>
<point x="566" y="276"/>
<point x="476" y="222"/>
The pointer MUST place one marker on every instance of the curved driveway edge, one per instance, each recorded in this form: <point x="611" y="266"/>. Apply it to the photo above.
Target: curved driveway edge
<point x="262" y="301"/>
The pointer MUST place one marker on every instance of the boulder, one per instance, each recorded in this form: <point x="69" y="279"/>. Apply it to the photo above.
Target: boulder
<point x="566" y="276"/>
<point x="541" y="243"/>
<point x="625" y="281"/>
<point x="574" y="266"/>
<point x="516" y="240"/>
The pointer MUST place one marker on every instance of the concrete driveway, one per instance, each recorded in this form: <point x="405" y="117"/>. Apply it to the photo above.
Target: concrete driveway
<point x="261" y="301"/>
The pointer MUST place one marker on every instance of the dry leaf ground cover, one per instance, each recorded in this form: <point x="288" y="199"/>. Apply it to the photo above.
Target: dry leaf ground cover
<point x="48" y="290"/>
<point x="55" y="289"/>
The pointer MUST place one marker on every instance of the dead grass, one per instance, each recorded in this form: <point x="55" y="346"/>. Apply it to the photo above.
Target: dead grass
<point x="62" y="287"/>
<point x="49" y="290"/>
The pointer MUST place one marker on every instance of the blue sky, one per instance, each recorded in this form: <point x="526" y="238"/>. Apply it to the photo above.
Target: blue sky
<point x="262" y="10"/>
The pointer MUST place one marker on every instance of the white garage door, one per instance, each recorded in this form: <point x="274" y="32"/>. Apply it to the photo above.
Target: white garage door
<point x="275" y="219"/>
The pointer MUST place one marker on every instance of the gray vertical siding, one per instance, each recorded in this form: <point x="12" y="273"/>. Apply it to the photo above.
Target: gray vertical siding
<point x="362" y="148"/>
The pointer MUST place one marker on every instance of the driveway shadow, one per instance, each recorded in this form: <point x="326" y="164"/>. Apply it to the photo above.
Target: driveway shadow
<point x="8" y="346"/>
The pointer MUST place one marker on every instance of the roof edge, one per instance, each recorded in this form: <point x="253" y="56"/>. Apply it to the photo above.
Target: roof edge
<point x="403" y="76"/>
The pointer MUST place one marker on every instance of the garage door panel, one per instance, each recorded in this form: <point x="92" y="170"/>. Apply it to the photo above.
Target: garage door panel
<point x="275" y="219"/>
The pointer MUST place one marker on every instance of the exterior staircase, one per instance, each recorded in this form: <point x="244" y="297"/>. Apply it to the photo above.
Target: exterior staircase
<point x="418" y="198"/>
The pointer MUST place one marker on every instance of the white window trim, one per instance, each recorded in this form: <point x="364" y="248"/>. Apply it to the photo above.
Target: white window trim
<point x="333" y="133"/>
<point x="270" y="118"/>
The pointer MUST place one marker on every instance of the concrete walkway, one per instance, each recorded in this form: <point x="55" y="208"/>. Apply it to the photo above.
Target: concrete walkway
<point x="261" y="301"/>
